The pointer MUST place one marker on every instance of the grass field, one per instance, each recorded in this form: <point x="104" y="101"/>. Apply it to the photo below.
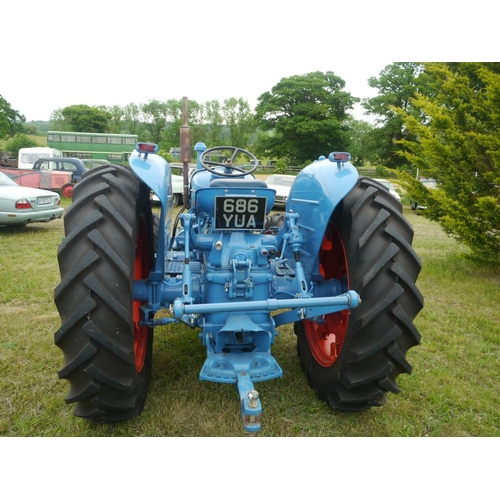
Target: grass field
<point x="453" y="390"/>
<point x="41" y="140"/>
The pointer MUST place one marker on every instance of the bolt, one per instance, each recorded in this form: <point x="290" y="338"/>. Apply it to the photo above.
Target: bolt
<point x="253" y="398"/>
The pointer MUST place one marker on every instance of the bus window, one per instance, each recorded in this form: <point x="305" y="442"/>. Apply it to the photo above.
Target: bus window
<point x="84" y="138"/>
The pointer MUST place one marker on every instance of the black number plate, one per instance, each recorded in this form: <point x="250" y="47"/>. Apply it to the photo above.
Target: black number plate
<point x="237" y="212"/>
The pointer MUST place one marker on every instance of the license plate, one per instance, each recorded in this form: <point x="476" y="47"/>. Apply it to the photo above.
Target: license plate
<point x="240" y="213"/>
<point x="44" y="200"/>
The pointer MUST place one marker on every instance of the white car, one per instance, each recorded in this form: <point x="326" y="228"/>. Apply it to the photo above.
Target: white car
<point x="281" y="184"/>
<point x="390" y="187"/>
<point x="20" y="205"/>
<point x="429" y="184"/>
<point x="177" y="188"/>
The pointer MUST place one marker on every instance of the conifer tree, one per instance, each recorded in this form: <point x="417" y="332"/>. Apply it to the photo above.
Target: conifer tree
<point x="458" y="145"/>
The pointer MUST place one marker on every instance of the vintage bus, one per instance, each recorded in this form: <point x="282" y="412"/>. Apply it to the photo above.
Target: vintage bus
<point x="115" y="148"/>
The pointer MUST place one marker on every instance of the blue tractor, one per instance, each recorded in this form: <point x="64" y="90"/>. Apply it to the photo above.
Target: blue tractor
<point x="337" y="263"/>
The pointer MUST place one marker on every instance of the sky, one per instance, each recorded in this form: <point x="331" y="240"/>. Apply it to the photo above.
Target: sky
<point x="58" y="53"/>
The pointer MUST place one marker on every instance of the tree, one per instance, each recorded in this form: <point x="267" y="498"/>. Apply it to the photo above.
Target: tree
<point x="459" y="145"/>
<point x="306" y="117"/>
<point x="239" y="121"/>
<point x="171" y="136"/>
<point x="57" y="121"/>
<point x="115" y="123"/>
<point x="132" y="118"/>
<point x="161" y="121"/>
<point x="11" y="121"/>
<point x="396" y="85"/>
<point x="154" y="115"/>
<point x="361" y="142"/>
<point x="83" y="118"/>
<point x="213" y="123"/>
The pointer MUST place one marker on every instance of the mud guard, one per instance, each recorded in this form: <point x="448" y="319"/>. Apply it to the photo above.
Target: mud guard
<point x="314" y="195"/>
<point x="155" y="172"/>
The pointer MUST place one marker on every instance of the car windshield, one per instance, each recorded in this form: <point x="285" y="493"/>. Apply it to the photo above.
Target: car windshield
<point x="430" y="183"/>
<point x="30" y="157"/>
<point x="280" y="180"/>
<point x="385" y="183"/>
<point x="5" y="180"/>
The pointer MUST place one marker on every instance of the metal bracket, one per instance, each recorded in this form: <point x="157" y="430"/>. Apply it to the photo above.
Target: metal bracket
<point x="251" y="408"/>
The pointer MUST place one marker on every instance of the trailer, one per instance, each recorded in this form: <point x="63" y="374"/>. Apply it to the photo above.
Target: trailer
<point x="27" y="157"/>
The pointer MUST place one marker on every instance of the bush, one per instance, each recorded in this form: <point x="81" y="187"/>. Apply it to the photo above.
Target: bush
<point x="280" y="167"/>
<point x="20" y="141"/>
<point x="167" y="156"/>
<point x="382" y="171"/>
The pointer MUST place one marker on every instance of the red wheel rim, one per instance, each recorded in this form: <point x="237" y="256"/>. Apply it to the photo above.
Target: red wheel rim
<point x="67" y="191"/>
<point x="142" y="267"/>
<point x="326" y="339"/>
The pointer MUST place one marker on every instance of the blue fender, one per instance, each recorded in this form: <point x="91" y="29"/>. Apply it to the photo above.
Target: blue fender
<point x="314" y="195"/>
<point x="155" y="172"/>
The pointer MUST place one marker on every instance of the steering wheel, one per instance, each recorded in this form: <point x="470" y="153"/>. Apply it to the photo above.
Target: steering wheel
<point x="228" y="168"/>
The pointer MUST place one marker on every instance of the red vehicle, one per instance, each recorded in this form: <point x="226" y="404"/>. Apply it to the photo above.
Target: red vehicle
<point x="55" y="174"/>
<point x="45" y="179"/>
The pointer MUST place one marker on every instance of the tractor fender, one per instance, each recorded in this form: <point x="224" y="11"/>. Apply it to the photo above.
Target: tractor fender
<point x="155" y="172"/>
<point x="314" y="195"/>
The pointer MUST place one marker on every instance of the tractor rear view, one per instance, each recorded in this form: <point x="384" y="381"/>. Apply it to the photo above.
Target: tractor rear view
<point x="338" y="264"/>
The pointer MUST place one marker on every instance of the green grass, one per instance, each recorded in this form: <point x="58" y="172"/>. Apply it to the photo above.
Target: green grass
<point x="41" y="140"/>
<point x="453" y="390"/>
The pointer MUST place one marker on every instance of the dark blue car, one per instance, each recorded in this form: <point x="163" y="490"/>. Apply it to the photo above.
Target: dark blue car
<point x="73" y="165"/>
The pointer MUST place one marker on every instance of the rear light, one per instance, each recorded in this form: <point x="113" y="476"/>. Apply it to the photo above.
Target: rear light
<point x="339" y="157"/>
<point x="23" y="203"/>
<point x="146" y="148"/>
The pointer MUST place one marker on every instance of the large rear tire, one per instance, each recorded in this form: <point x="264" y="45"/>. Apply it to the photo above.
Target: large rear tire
<point x="352" y="360"/>
<point x="108" y="243"/>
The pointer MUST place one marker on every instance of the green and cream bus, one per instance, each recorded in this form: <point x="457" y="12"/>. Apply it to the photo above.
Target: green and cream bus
<point x="115" y="148"/>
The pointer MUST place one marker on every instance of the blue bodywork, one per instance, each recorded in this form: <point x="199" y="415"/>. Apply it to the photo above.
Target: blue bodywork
<point x="227" y="282"/>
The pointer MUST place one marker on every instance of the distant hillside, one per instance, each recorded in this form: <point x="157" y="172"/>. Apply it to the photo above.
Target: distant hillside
<point x="40" y="139"/>
<point x="41" y="127"/>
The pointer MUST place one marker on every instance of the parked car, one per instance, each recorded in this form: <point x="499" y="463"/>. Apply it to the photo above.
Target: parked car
<point x="177" y="186"/>
<point x="73" y="165"/>
<point x="281" y="184"/>
<point x="429" y="184"/>
<point x="390" y="187"/>
<point x="90" y="163"/>
<point x="20" y="205"/>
